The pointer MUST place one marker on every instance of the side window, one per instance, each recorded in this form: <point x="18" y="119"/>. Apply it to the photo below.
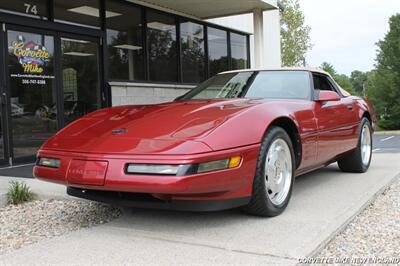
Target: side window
<point x="322" y="83"/>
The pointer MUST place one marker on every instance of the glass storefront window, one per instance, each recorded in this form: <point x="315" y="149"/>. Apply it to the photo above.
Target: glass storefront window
<point x="80" y="74"/>
<point x="30" y="8"/>
<point x="79" y="12"/>
<point x="161" y="39"/>
<point x="125" y="42"/>
<point x="192" y="52"/>
<point x="217" y="50"/>
<point x="239" y="51"/>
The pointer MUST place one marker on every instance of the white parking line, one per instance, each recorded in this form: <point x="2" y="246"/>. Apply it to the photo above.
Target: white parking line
<point x="377" y="149"/>
<point x="385" y="139"/>
<point x="16" y="166"/>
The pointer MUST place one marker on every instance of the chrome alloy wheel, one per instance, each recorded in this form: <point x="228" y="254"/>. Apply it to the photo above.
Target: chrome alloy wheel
<point x="278" y="171"/>
<point x="366" y="145"/>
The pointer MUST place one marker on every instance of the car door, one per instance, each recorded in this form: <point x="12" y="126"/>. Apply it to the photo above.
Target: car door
<point x="337" y="121"/>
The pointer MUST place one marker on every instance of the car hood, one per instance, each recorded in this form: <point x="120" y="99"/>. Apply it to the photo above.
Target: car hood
<point x="169" y="128"/>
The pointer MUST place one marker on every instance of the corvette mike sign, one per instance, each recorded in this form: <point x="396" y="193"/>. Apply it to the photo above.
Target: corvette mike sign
<point x="33" y="58"/>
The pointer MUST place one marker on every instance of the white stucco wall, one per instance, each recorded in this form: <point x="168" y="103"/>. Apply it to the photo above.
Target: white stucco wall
<point x="272" y="44"/>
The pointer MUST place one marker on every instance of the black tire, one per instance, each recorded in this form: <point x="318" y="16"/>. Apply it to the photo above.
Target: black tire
<point x="260" y="204"/>
<point x="353" y="162"/>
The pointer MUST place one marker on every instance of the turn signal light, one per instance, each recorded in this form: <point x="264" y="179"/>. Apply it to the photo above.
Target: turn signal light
<point x="235" y="161"/>
<point x="219" y="164"/>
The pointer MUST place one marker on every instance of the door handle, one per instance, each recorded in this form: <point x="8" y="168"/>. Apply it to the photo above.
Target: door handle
<point x="3" y="99"/>
<point x="350" y="107"/>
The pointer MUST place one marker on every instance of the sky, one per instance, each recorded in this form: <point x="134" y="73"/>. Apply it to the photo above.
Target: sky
<point x="344" y="32"/>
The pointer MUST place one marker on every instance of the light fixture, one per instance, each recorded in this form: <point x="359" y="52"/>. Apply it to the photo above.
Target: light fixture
<point x="155" y="25"/>
<point x="128" y="47"/>
<point x="92" y="11"/>
<point x="78" y="54"/>
<point x="74" y="40"/>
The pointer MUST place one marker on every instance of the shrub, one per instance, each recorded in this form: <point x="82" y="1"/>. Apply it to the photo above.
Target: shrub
<point x="18" y="192"/>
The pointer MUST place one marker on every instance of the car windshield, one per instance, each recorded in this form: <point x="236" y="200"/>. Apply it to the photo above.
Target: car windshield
<point x="254" y="84"/>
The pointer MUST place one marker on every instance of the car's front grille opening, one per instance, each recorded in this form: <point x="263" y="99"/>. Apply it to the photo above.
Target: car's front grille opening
<point x="113" y="195"/>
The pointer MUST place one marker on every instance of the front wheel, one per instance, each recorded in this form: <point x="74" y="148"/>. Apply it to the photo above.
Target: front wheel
<point x="273" y="181"/>
<point x="358" y="161"/>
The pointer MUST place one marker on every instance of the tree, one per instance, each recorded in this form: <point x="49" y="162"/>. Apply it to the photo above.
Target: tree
<point x="328" y="68"/>
<point x="341" y="79"/>
<point x="295" y="35"/>
<point x="359" y="81"/>
<point x="383" y="86"/>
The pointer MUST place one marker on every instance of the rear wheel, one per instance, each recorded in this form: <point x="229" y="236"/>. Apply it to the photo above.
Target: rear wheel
<point x="358" y="161"/>
<point x="273" y="182"/>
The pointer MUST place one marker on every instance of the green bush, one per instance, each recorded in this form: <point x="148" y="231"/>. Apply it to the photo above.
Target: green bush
<point x="18" y="192"/>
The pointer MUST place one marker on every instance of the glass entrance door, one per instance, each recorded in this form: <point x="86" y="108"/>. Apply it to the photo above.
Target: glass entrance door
<point x="80" y="77"/>
<point x="50" y="79"/>
<point x="31" y="91"/>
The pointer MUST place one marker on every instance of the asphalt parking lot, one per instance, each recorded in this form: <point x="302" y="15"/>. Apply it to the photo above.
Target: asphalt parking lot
<point x="323" y="202"/>
<point x="386" y="144"/>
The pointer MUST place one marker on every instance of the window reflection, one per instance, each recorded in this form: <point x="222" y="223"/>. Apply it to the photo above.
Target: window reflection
<point x="125" y="42"/>
<point x="161" y="39"/>
<point x="193" y="54"/>
<point x="217" y="50"/>
<point x="239" y="51"/>
<point x="80" y="78"/>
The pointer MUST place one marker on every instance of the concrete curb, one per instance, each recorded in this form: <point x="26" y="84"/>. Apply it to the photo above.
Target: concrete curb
<point x="350" y="219"/>
<point x="388" y="133"/>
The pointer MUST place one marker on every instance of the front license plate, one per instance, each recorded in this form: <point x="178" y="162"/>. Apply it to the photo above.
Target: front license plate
<point x="87" y="172"/>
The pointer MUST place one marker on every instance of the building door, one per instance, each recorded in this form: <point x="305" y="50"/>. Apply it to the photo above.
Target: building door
<point x="50" y="79"/>
<point x="31" y="90"/>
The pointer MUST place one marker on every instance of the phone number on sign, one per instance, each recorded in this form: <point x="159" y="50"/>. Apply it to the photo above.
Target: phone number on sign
<point x="34" y="81"/>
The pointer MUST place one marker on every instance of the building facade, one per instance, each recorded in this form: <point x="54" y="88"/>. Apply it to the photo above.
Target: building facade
<point x="62" y="59"/>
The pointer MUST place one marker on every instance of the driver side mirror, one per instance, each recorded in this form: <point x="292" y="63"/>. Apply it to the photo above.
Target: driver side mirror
<point x="328" y="96"/>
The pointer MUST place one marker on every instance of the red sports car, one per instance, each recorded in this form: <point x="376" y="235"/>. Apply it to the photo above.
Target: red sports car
<point x="238" y="139"/>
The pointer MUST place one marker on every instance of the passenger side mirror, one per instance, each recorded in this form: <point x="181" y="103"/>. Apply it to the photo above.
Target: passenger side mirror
<point x="327" y="96"/>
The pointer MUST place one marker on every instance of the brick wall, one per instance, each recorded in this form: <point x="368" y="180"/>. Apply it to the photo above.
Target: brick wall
<point x="124" y="93"/>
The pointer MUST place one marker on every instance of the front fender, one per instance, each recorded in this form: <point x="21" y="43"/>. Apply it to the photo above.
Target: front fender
<point x="249" y="127"/>
<point x="365" y="106"/>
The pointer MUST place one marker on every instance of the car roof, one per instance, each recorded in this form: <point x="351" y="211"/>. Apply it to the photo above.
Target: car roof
<point x="309" y="69"/>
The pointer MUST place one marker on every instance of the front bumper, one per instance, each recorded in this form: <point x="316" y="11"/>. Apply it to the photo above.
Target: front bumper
<point x="140" y="200"/>
<point x="226" y="184"/>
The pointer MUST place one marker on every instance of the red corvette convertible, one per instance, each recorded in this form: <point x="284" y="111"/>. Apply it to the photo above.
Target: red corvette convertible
<point x="238" y="139"/>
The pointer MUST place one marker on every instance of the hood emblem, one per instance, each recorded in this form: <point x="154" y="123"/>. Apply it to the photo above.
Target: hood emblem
<point x="119" y="131"/>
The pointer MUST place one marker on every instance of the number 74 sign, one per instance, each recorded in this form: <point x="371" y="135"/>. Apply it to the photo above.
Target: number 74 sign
<point x="30" y="9"/>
